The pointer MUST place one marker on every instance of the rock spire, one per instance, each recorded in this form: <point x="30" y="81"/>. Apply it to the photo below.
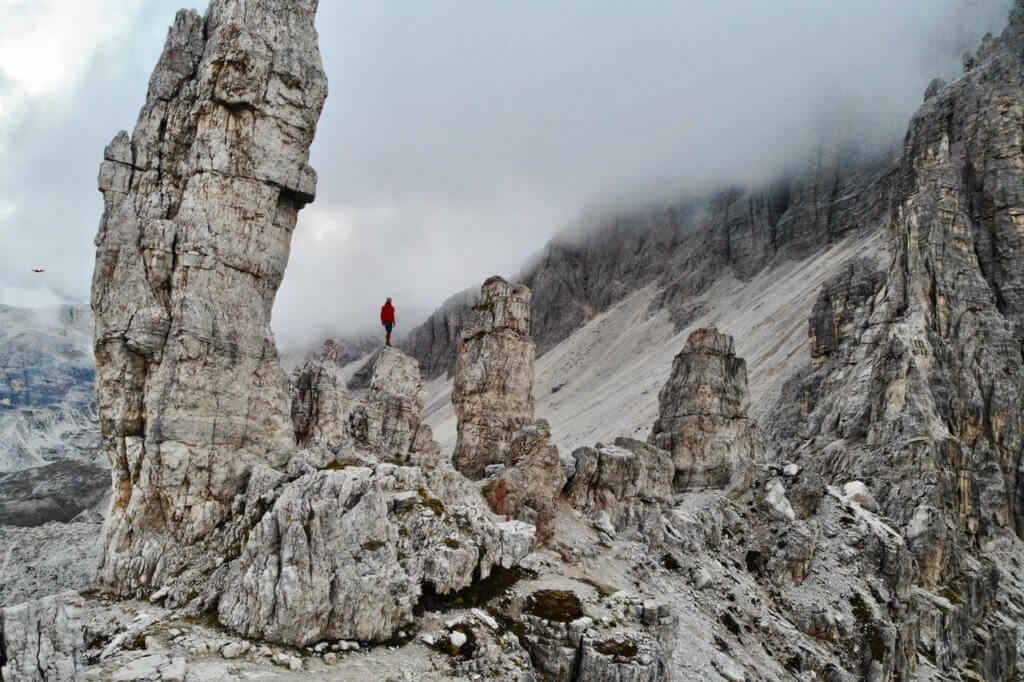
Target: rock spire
<point x="199" y="207"/>
<point x="493" y="392"/>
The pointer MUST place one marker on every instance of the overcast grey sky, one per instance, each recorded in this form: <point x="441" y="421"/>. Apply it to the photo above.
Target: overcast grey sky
<point x="460" y="135"/>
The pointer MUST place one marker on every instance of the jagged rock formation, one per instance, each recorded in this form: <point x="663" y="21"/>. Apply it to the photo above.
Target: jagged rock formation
<point x="199" y="205"/>
<point x="703" y="413"/>
<point x="319" y="406"/>
<point x="390" y="419"/>
<point x="493" y="400"/>
<point x="918" y="373"/>
<point x="41" y="641"/>
<point x="615" y="478"/>
<point x="883" y="545"/>
<point x="215" y="509"/>
<point x="493" y="393"/>
<point x="530" y="479"/>
<point x="346" y="555"/>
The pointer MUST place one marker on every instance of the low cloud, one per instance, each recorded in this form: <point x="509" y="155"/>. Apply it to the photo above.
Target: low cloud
<point x="458" y="137"/>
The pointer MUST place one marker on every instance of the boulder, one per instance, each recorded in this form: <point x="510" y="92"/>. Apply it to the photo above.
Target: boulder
<point x="565" y="643"/>
<point x="613" y="477"/>
<point x="528" y="486"/>
<point x="347" y="554"/>
<point x="319" y="405"/>
<point x="389" y="420"/>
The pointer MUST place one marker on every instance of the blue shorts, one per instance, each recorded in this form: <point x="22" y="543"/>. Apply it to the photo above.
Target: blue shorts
<point x="388" y="326"/>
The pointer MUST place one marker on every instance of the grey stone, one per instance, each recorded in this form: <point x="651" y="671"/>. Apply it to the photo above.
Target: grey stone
<point x="41" y="641"/>
<point x="199" y="205"/>
<point x="702" y="419"/>
<point x="493" y="390"/>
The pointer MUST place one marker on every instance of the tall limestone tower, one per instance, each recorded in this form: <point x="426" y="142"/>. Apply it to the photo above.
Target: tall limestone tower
<point x="199" y="207"/>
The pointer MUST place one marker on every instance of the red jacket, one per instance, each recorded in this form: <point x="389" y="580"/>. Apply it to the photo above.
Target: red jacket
<point x="387" y="313"/>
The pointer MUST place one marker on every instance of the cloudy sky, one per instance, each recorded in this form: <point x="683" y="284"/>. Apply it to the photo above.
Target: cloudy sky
<point x="460" y="135"/>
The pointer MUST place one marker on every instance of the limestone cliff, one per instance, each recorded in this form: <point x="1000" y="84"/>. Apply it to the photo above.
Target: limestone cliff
<point x="917" y="371"/>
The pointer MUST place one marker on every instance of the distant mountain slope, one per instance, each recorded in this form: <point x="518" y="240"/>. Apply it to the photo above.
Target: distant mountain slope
<point x="47" y="405"/>
<point x="46" y="357"/>
<point x="682" y="248"/>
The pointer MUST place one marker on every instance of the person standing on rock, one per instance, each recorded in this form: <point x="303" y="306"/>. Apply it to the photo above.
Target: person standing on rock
<point x="387" y="318"/>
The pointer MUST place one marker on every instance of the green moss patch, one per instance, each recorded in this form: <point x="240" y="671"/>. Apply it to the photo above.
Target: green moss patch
<point x="617" y="648"/>
<point x="432" y="503"/>
<point x="562" y="606"/>
<point x="479" y="593"/>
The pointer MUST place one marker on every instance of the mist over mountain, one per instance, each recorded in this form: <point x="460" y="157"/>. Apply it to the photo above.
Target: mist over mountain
<point x="459" y="139"/>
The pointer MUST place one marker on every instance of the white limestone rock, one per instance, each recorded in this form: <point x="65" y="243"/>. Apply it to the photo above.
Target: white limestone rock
<point x="319" y="406"/>
<point x="336" y="558"/>
<point x="776" y="502"/>
<point x="199" y="206"/>
<point x="41" y="641"/>
<point x="702" y="418"/>
<point x="390" y="419"/>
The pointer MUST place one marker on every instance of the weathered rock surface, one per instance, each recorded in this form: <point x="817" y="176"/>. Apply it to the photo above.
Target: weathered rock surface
<point x="565" y="643"/>
<point x="703" y="413"/>
<point x="493" y="392"/>
<point x="55" y="492"/>
<point x="528" y="486"/>
<point x="917" y="363"/>
<point x="389" y="420"/>
<point x="41" y="641"/>
<point x="39" y="561"/>
<point x="493" y="400"/>
<point x="320" y="407"/>
<point x="199" y="205"/>
<point x="614" y="478"/>
<point x="347" y="554"/>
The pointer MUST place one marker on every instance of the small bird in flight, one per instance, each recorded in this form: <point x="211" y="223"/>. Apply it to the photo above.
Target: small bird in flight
<point x="38" y="269"/>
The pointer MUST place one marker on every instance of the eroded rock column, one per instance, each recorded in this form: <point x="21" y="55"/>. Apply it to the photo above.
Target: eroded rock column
<point x="702" y="418"/>
<point x="199" y="207"/>
<point x="493" y="392"/>
<point x="493" y="397"/>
